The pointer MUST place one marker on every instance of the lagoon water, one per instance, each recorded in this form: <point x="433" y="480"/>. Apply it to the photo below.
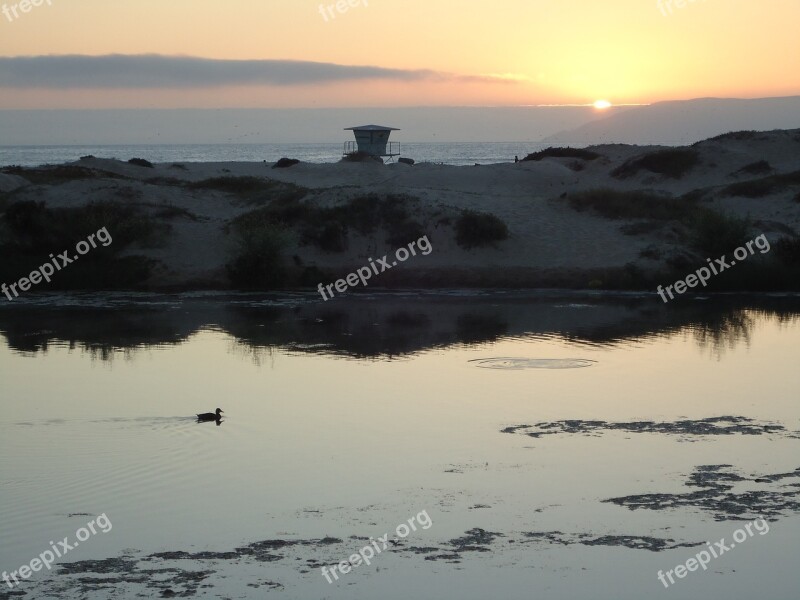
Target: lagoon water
<point x="344" y="419"/>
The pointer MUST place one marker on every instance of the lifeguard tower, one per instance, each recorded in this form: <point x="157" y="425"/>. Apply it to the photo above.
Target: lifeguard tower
<point x="372" y="140"/>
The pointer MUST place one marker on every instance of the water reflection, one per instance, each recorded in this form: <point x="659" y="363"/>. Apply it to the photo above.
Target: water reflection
<point x="377" y="325"/>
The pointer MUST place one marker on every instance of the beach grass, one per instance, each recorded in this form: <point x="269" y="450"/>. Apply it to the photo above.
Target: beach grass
<point x="554" y="152"/>
<point x="671" y="162"/>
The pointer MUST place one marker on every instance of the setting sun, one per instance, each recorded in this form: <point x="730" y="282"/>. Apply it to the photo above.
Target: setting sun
<point x="602" y="104"/>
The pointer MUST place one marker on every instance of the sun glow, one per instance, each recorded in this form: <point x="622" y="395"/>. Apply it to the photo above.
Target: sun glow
<point x="602" y="104"/>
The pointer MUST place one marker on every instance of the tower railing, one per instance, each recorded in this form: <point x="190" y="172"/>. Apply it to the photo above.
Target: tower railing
<point x="392" y="148"/>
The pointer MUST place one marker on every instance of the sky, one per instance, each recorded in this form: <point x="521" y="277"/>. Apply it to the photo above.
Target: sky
<point x="92" y="54"/>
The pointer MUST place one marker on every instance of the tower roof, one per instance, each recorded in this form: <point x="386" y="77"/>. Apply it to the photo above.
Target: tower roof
<point x="371" y="128"/>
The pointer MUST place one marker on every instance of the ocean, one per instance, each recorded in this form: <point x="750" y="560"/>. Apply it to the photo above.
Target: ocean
<point x="455" y="153"/>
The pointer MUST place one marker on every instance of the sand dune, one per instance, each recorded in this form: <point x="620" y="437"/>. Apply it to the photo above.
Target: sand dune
<point x="549" y="243"/>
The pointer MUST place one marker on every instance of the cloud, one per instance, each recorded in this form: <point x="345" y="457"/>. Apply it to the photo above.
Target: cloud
<point x="153" y="71"/>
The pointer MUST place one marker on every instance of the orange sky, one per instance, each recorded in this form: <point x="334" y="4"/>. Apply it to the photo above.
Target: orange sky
<point x="539" y="51"/>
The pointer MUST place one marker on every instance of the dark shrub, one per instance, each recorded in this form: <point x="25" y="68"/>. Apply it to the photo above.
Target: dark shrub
<point x="475" y="229"/>
<point x="285" y="163"/>
<point x="363" y="213"/>
<point x="672" y="162"/>
<point x="328" y="227"/>
<point x="331" y="237"/>
<point x="737" y="136"/>
<point x="60" y="174"/>
<point x="576" y="166"/>
<point x="27" y="218"/>
<point x="788" y="251"/>
<point x="140" y="162"/>
<point x="253" y="190"/>
<point x="758" y="188"/>
<point x="614" y="204"/>
<point x="33" y="231"/>
<point x="562" y="153"/>
<point x="258" y="261"/>
<point x="716" y="234"/>
<point x="404" y="233"/>
<point x="36" y="228"/>
<point x="367" y="213"/>
<point x="761" y="167"/>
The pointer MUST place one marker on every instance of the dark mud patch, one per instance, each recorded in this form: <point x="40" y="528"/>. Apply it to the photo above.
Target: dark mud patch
<point x="634" y="542"/>
<point x="475" y="540"/>
<point x="423" y="549"/>
<point x="136" y="575"/>
<point x="703" y="427"/>
<point x="451" y="557"/>
<point x="119" y="573"/>
<point x="179" y="555"/>
<point x="105" y="566"/>
<point x="718" y="497"/>
<point x="272" y="585"/>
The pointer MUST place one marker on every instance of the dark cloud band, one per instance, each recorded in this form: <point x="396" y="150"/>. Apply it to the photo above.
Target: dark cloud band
<point x="118" y="71"/>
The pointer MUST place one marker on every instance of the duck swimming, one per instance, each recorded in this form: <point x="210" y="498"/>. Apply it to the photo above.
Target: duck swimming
<point x="210" y="416"/>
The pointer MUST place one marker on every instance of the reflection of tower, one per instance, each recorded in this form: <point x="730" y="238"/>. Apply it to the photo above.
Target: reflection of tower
<point x="372" y="140"/>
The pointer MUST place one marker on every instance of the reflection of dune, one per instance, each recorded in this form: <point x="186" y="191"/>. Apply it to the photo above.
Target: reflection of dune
<point x="374" y="325"/>
<point x="726" y="331"/>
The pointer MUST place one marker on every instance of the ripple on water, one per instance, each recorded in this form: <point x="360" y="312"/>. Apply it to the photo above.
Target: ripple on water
<point x="532" y="363"/>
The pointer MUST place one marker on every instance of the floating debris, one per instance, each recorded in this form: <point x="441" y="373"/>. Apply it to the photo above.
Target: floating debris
<point x="515" y="364"/>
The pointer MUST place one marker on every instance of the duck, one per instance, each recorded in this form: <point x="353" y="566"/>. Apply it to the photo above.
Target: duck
<point x="210" y="416"/>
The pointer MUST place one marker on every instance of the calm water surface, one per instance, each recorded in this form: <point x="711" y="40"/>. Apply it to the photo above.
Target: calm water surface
<point x="347" y="418"/>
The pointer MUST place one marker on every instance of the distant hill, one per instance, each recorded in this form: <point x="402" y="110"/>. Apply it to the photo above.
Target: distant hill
<point x="685" y="122"/>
